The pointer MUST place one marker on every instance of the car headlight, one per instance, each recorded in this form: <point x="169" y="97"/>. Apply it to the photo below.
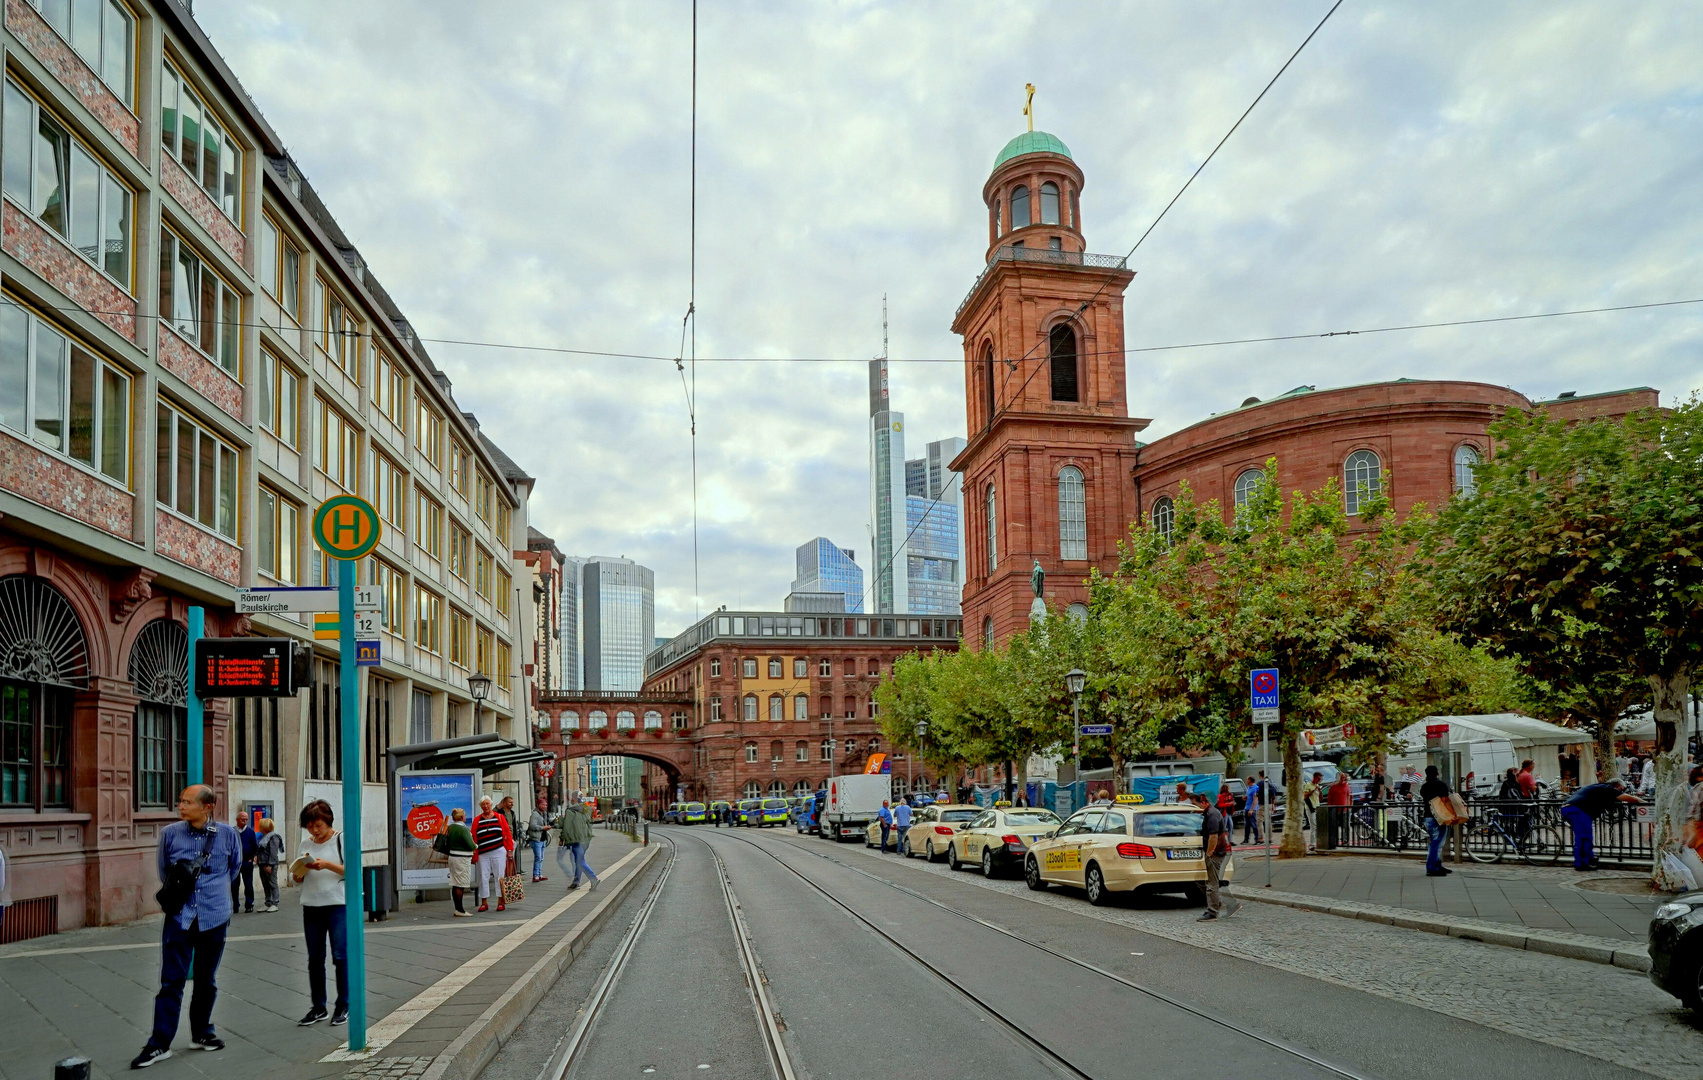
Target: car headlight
<point x="1669" y="912"/>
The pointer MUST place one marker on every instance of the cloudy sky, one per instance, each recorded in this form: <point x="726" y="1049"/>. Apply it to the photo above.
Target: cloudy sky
<point x="523" y="177"/>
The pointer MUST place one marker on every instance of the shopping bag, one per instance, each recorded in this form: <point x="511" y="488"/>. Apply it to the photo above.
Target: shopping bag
<point x="513" y="891"/>
<point x="1449" y="809"/>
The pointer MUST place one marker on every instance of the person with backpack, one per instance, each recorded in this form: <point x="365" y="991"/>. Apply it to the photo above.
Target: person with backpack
<point x="319" y="869"/>
<point x="1215" y="835"/>
<point x="197" y="859"/>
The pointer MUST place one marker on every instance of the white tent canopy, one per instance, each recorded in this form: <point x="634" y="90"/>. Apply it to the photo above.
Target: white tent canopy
<point x="1641" y="726"/>
<point x="1539" y="740"/>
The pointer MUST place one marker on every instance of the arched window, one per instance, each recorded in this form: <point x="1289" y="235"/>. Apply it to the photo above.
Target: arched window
<point x="777" y="789"/>
<point x="1079" y="612"/>
<point x="1049" y="203"/>
<point x="653" y="720"/>
<point x="1072" y="514"/>
<point x="159" y="666"/>
<point x="599" y="719"/>
<point x="998" y="225"/>
<point x="570" y="721"/>
<point x="802" y="787"/>
<point x="774" y="667"/>
<point x="987" y="384"/>
<point x="1360" y="479"/>
<point x="751" y="707"/>
<point x="990" y="510"/>
<point x="1246" y="484"/>
<point x="624" y="720"/>
<point x="1061" y="355"/>
<point x="752" y="789"/>
<point x="750" y="752"/>
<point x="1019" y="206"/>
<point x="987" y="632"/>
<point x="801" y="707"/>
<point x="777" y="707"/>
<point x="1466" y="460"/>
<point x="1164" y="516"/>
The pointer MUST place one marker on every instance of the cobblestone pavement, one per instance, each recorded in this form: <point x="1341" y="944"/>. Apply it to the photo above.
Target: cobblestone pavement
<point x="1593" y="1009"/>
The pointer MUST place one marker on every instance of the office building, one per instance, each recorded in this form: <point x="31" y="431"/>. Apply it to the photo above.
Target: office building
<point x="825" y="567"/>
<point x="934" y="539"/>
<point x="618" y="622"/>
<point x="572" y="650"/>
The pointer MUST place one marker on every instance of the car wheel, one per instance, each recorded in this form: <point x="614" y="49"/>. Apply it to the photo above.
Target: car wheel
<point x="987" y="863"/>
<point x="1098" y="894"/>
<point x="1032" y="874"/>
<point x="951" y="857"/>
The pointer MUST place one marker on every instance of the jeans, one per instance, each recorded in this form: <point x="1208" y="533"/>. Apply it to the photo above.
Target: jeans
<point x="537" y="859"/>
<point x="1251" y="826"/>
<point x="491" y="868"/>
<point x="269" y="884"/>
<point x="899" y="844"/>
<point x="886" y="829"/>
<point x="181" y="952"/>
<point x="246" y="880"/>
<point x="318" y="923"/>
<point x="1434" y="854"/>
<point x="1584" y="836"/>
<point x="577" y="853"/>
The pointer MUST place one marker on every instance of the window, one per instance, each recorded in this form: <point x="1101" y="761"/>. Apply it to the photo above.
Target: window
<point x="825" y="668"/>
<point x="460" y="464"/>
<point x="100" y="31"/>
<point x="64" y="186"/>
<point x="751" y="752"/>
<point x="570" y="721"/>
<point x="777" y="707"/>
<point x="850" y="707"/>
<point x="460" y="638"/>
<point x="800" y="708"/>
<point x="827" y="751"/>
<point x="1072" y="514"/>
<point x="254" y="737"/>
<point x="1360" y="479"/>
<point x="460" y="551"/>
<point x="199" y="304"/>
<point x="194" y="137"/>
<point x="1061" y="357"/>
<point x="325" y="723"/>
<point x="751" y="707"/>
<point x="280" y="269"/>
<point x="1466" y="460"/>
<point x="504" y="528"/>
<point x="504" y="590"/>
<point x="874" y="708"/>
<point x="715" y="668"/>
<point x="162" y="753"/>
<point x="56" y="392"/>
<point x="774" y="669"/>
<point x="336" y="330"/>
<point x="851" y="748"/>
<point x="1164" y="516"/>
<point x="280" y="399"/>
<point x="1246" y="484"/>
<point x="875" y="667"/>
<point x="800" y="668"/>
<point x="197" y="472"/>
<point x="1019" y="207"/>
<point x="991" y="516"/>
<point x="428" y="432"/>
<point x="392" y="587"/>
<point x="598" y="719"/>
<point x="390" y="389"/>
<point x="987" y="632"/>
<point x="379" y="691"/>
<point x="484" y="651"/>
<point x="428" y="524"/>
<point x="1049" y="203"/>
<point x="485" y="496"/>
<point x="750" y="669"/>
<point x="715" y="710"/>
<point x="428" y="621"/>
<point x="276" y="536"/>
<point x="337" y="445"/>
<point x="482" y="573"/>
<point x="998" y="225"/>
<point x="752" y="788"/>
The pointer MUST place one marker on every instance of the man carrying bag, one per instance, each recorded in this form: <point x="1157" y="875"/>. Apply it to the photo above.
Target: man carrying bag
<point x="1447" y="809"/>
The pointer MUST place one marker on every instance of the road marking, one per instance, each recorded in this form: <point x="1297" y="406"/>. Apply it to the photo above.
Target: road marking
<point x="78" y="950"/>
<point x="405" y="1016"/>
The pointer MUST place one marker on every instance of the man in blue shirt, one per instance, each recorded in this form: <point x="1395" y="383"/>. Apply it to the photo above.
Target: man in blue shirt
<point x="193" y="940"/>
<point x="1581" y="811"/>
<point x="902" y="823"/>
<point x="886" y="816"/>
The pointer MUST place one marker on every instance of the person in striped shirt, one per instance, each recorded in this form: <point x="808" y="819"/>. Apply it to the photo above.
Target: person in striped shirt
<point x="491" y="833"/>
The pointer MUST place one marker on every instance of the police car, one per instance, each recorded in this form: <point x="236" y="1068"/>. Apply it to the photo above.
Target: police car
<point x="693" y="813"/>
<point x="1000" y="838"/>
<point x="1127" y="846"/>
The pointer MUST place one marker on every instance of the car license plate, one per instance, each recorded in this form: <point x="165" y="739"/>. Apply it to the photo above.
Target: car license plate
<point x="1183" y="853"/>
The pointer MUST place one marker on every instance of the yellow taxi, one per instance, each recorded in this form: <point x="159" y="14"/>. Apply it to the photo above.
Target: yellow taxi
<point x="999" y="838"/>
<point x="1125" y="846"/>
<point x="933" y="827"/>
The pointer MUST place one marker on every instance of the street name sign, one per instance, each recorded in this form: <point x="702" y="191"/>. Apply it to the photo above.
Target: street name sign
<point x="1096" y="729"/>
<point x="303" y="600"/>
<point x="1263" y="695"/>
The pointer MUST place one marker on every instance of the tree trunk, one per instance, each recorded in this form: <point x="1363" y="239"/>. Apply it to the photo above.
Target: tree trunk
<point x="1023" y="777"/>
<point x="1294" y="842"/>
<point x="1608" y="768"/>
<point x="1117" y="771"/>
<point x="1669" y="762"/>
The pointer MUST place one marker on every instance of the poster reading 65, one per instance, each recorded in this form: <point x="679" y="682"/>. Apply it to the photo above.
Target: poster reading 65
<point x="424" y="803"/>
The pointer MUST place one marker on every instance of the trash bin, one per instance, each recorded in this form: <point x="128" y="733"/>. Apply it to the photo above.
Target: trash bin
<point x="1324" y="835"/>
<point x="375" y="892"/>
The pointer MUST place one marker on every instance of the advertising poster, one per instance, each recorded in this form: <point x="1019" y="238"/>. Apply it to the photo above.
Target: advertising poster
<point x="1164" y="788"/>
<point x="424" y="802"/>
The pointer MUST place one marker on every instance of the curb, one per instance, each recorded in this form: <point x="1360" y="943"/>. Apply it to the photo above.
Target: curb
<point x="474" y="1048"/>
<point x="1631" y="955"/>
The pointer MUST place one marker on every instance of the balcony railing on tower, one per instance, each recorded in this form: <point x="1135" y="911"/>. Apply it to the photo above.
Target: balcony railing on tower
<point x="1022" y="253"/>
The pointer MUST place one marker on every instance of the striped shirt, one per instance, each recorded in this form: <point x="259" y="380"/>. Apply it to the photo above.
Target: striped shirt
<point x="488" y="833"/>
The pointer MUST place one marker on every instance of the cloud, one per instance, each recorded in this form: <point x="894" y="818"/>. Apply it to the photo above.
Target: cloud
<point x="522" y="176"/>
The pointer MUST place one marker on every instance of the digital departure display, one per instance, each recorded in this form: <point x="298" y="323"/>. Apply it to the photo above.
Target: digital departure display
<point x="245" y="667"/>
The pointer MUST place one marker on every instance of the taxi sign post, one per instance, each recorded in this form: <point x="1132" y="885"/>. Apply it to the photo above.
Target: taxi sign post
<point x="347" y="528"/>
<point x="1263" y="700"/>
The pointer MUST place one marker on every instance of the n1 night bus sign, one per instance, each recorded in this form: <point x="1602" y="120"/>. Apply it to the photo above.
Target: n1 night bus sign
<point x="245" y="667"/>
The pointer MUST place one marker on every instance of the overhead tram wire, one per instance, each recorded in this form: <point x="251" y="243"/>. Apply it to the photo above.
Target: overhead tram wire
<point x="691" y="316"/>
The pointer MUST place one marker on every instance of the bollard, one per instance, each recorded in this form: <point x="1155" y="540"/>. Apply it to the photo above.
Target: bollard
<point x="72" y="1068"/>
<point x="647" y="834"/>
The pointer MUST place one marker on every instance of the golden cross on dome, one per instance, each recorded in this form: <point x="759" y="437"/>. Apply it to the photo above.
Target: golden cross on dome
<point x="1029" y="104"/>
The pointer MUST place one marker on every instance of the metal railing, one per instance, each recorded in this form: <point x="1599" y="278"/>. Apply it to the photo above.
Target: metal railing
<point x="1013" y="253"/>
<point x="1500" y="828"/>
<point x="628" y="821"/>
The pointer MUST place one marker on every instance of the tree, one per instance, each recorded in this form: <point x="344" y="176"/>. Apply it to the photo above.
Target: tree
<point x="1582" y="554"/>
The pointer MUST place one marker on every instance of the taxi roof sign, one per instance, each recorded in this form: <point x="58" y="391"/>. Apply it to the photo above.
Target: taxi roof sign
<point x="346" y="527"/>
<point x="1129" y="799"/>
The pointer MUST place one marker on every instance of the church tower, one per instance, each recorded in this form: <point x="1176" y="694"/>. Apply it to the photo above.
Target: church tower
<point x="1047" y="470"/>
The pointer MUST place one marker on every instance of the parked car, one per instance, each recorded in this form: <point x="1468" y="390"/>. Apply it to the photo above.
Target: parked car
<point x="1676" y="949"/>
<point x="1123" y="848"/>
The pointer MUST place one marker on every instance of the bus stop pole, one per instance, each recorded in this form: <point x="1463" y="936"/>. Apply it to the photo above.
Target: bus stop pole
<point x="353" y="916"/>
<point x="195" y="713"/>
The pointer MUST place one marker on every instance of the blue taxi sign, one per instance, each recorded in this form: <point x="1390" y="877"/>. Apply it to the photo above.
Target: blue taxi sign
<point x="1263" y="695"/>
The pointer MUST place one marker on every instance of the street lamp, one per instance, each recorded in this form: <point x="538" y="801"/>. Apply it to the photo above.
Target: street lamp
<point x="479" y="685"/>
<point x="1074" y="681"/>
<point x="922" y="733"/>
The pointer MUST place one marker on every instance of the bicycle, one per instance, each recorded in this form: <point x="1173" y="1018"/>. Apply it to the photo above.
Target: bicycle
<point x="1496" y="834"/>
<point x="1398" y="832"/>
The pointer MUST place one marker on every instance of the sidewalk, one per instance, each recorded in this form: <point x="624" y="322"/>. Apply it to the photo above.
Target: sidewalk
<point x="441" y="991"/>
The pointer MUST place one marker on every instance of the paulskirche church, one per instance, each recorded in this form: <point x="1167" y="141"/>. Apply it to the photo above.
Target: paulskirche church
<point x="1053" y="470"/>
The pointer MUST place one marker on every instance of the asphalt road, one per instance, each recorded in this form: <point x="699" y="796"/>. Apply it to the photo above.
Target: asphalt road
<point x="852" y="1003"/>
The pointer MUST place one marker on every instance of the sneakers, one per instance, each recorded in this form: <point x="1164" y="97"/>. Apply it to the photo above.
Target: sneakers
<point x="1207" y="916"/>
<point x="148" y="1056"/>
<point x="1436" y="873"/>
<point x="464" y="914"/>
<point x="314" y="1016"/>
<point x="540" y="879"/>
<point x="270" y="907"/>
<point x="340" y="1017"/>
<point x="1231" y="907"/>
<point x="211" y="1042"/>
<point x="593" y="885"/>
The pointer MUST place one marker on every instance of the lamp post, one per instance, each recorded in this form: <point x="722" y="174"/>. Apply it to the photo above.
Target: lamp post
<point x="479" y="685"/>
<point x="1074" y="681"/>
<point x="922" y="736"/>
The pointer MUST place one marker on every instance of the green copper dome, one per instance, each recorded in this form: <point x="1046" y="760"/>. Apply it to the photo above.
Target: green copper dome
<point x="1031" y="142"/>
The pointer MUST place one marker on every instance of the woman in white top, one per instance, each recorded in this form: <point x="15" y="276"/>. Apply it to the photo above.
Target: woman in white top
<point x="320" y="870"/>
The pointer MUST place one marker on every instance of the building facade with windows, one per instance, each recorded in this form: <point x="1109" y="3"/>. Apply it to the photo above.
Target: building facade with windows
<point x="617" y="622"/>
<point x="825" y="567"/>
<point x="934" y="537"/>
<point x="192" y="356"/>
<point x="887" y="471"/>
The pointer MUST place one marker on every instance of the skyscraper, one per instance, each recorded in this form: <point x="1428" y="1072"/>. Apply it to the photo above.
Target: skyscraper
<point x="573" y="654"/>
<point x="825" y="567"/>
<point x="933" y="539"/>
<point x="617" y="622"/>
<point x="886" y="495"/>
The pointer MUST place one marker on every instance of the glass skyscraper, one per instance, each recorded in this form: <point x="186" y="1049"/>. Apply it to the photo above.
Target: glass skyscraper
<point x="617" y="622"/>
<point x="825" y="567"/>
<point x="886" y="496"/>
<point x="934" y="514"/>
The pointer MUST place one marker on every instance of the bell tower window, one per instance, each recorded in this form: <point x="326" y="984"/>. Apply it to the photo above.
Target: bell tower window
<point x="1072" y="514"/>
<point x="1061" y="352"/>
<point x="998" y="225"/>
<point x="1049" y="203"/>
<point x="1019" y="207"/>
<point x="987" y="384"/>
<point x="991" y="515"/>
